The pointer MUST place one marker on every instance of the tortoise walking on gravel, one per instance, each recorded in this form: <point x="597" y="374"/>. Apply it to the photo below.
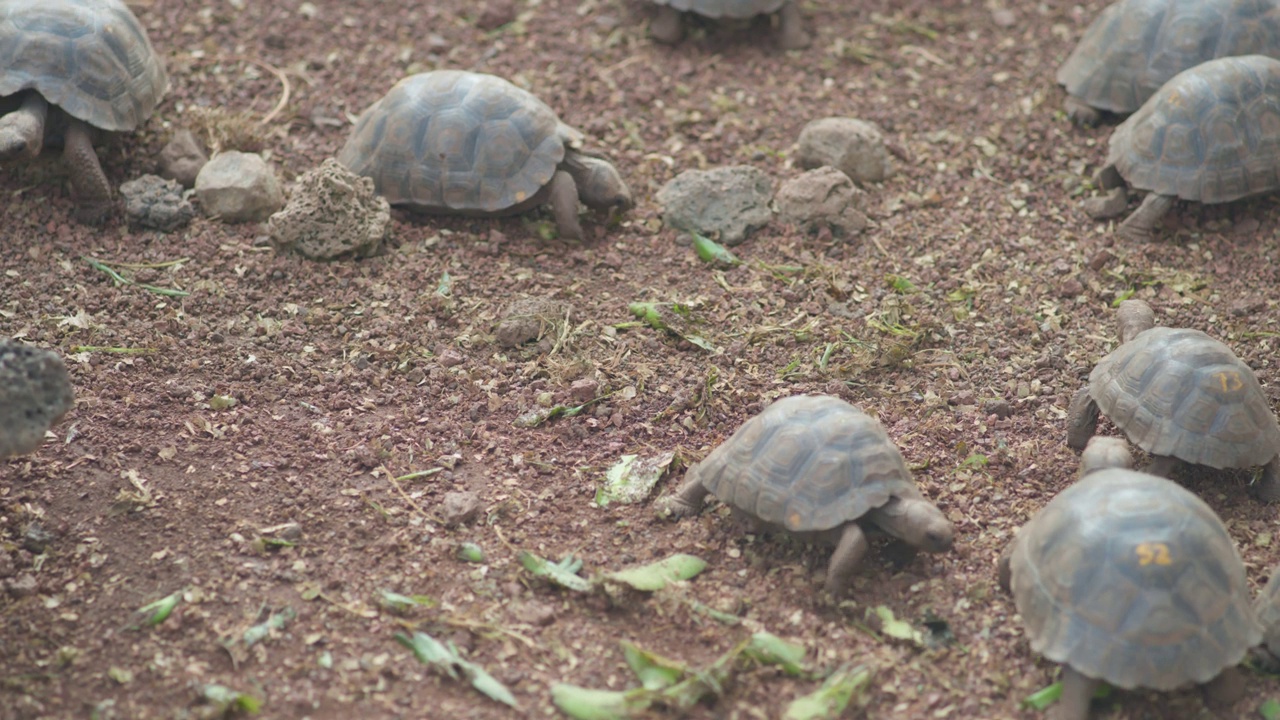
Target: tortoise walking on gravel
<point x="1134" y="46"/>
<point x="1211" y="134"/>
<point x="66" y="68"/>
<point x="1181" y="396"/>
<point x="1128" y="578"/>
<point x="819" y="467"/>
<point x="464" y="143"/>
<point x="668" y="27"/>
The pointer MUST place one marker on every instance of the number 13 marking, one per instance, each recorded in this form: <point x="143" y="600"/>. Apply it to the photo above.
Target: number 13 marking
<point x="1231" y="381"/>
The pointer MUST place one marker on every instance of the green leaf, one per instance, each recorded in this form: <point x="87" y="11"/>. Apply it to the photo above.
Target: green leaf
<point x="470" y="552"/>
<point x="447" y="660"/>
<point x="1270" y="709"/>
<point x="830" y="700"/>
<point x="536" y="417"/>
<point x="900" y="284"/>
<point x="655" y="672"/>
<point x="161" y="609"/>
<point x="655" y="314"/>
<point x="714" y="614"/>
<point x="773" y="650"/>
<point x="587" y="704"/>
<point x="445" y="287"/>
<point x="563" y="573"/>
<point x="895" y="628"/>
<point x="712" y="252"/>
<point x="229" y="701"/>
<point x="1043" y="698"/>
<point x="400" y="603"/>
<point x="648" y="312"/>
<point x="276" y="622"/>
<point x="658" y="575"/>
<point x="632" y="479"/>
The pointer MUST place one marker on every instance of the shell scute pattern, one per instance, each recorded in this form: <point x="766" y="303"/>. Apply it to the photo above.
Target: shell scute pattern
<point x="1211" y="134"/>
<point x="1133" y="47"/>
<point x="808" y="463"/>
<point x="726" y="8"/>
<point x="454" y="140"/>
<point x="1130" y="578"/>
<point x="1179" y="392"/>
<point x="89" y="57"/>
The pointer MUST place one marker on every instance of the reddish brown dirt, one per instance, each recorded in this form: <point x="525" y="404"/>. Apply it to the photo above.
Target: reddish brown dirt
<point x="345" y="371"/>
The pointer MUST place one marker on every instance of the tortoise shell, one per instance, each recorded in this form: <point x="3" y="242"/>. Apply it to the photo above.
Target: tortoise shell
<point x="1134" y="46"/>
<point x="1180" y="393"/>
<point x="1268" y="608"/>
<point x="89" y="57"/>
<point x="726" y="8"/>
<point x="452" y="140"/>
<point x="1211" y="134"/>
<point x="1130" y="578"/>
<point x="808" y="463"/>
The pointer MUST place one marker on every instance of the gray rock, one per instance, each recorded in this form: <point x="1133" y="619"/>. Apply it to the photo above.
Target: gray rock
<point x="35" y="392"/>
<point x="332" y="212"/>
<point x="151" y="202"/>
<point x="820" y="198"/>
<point x="530" y="318"/>
<point x="459" y="508"/>
<point x="852" y="146"/>
<point x="724" y="203"/>
<point x="182" y="159"/>
<point x="238" y="187"/>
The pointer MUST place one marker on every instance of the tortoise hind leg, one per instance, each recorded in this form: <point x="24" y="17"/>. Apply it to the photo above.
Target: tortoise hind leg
<point x="89" y="184"/>
<point x="564" y="205"/>
<point x="22" y="131"/>
<point x="850" y="550"/>
<point x="1080" y="112"/>
<point x="791" y="32"/>
<point x="1138" y="226"/>
<point x="1077" y="692"/>
<point x="1225" y="689"/>
<point x="1267" y="489"/>
<point x="1163" y="466"/>
<point x="668" y="27"/>
<point x="687" y="500"/>
<point x="1082" y="419"/>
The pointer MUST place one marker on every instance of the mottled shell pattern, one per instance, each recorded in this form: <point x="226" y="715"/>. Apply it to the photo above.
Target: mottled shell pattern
<point x="726" y="8"/>
<point x="89" y="57"/>
<point x="1180" y="393"/>
<point x="456" y="140"/>
<point x="1211" y="134"/>
<point x="1134" y="46"/>
<point x="1130" y="578"/>
<point x="808" y="463"/>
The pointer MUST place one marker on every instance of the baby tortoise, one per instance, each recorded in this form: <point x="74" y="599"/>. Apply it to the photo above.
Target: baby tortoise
<point x="668" y="27"/>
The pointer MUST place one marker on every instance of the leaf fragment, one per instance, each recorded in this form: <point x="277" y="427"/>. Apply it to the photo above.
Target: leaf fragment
<point x="563" y="573"/>
<point x="713" y="252"/>
<point x="773" y="650"/>
<point x="656" y="576"/>
<point x="632" y="479"/>
<point x="446" y="659"/>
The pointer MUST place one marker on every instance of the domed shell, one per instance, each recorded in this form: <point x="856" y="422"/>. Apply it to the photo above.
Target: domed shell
<point x="451" y="140"/>
<point x="1268" y="608"/>
<point x="726" y="8"/>
<point x="1134" y="46"/>
<point x="808" y="463"/>
<point x="89" y="57"/>
<point x="1179" y="392"/>
<point x="1211" y="134"/>
<point x="1130" y="578"/>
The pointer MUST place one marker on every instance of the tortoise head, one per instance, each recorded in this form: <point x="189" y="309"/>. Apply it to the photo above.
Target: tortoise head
<point x="917" y="522"/>
<point x="1132" y="317"/>
<point x="600" y="186"/>
<point x="1105" y="452"/>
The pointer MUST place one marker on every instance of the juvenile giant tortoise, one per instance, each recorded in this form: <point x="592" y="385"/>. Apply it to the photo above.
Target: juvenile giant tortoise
<point x="1134" y="46"/>
<point x="1181" y="396"/>
<point x="816" y="466"/>
<point x="1211" y="134"/>
<point x="668" y="27"/>
<point x="465" y="143"/>
<point x="68" y="67"/>
<point x="1128" y="578"/>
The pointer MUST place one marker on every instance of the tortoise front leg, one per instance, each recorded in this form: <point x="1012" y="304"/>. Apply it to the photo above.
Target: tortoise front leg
<point x="791" y="32"/>
<point x="564" y="204"/>
<point x="22" y="131"/>
<point x="1139" y="225"/>
<point x="1077" y="692"/>
<point x="1267" y="489"/>
<point x="1082" y="419"/>
<point x="1004" y="566"/>
<point x="850" y="550"/>
<point x="1225" y="689"/>
<point x="1164" y="466"/>
<point x="668" y="27"/>
<point x="1080" y="112"/>
<point x="687" y="500"/>
<point x="89" y="184"/>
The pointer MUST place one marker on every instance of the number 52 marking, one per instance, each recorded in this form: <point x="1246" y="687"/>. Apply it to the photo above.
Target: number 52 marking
<point x="1153" y="554"/>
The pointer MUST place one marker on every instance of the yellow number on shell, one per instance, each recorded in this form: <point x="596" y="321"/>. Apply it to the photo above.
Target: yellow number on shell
<point x="1230" y="380"/>
<point x="1153" y="554"/>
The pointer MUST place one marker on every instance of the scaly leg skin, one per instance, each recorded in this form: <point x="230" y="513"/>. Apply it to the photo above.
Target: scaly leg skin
<point x="1004" y="567"/>
<point x="849" y="552"/>
<point x="1224" y="690"/>
<point x="687" y="500"/>
<point x="1108" y="178"/>
<point x="791" y="32"/>
<point x="564" y="204"/>
<point x="1267" y="489"/>
<point x="1080" y="112"/>
<point x="1082" y="419"/>
<point x="1139" y="225"/>
<point x="1163" y="466"/>
<point x="22" y="131"/>
<point x="1077" y="691"/>
<point x="668" y="27"/>
<point x="89" y="184"/>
